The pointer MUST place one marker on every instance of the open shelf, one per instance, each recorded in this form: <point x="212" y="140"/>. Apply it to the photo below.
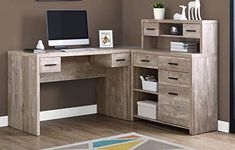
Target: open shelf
<point x="144" y="91"/>
<point x="158" y="121"/>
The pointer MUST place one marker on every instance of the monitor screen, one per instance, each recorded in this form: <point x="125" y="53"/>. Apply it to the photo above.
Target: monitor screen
<point x="67" y="27"/>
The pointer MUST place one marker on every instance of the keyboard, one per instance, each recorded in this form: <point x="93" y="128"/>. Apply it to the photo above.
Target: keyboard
<point x="78" y="49"/>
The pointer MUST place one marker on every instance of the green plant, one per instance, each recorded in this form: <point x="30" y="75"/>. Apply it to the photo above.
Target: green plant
<point x="158" y="4"/>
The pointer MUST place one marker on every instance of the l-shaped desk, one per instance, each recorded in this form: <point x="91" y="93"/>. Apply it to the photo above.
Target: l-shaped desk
<point x="187" y="95"/>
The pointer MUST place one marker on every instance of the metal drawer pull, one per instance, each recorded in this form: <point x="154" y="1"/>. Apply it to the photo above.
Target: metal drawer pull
<point x="191" y="30"/>
<point x="143" y="60"/>
<point x="174" y="64"/>
<point x="121" y="60"/>
<point x="50" y="65"/>
<point x="175" y="94"/>
<point x="151" y="29"/>
<point x="172" y="78"/>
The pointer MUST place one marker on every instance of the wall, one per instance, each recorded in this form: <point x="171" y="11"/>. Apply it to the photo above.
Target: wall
<point x="23" y="23"/>
<point x="134" y="11"/>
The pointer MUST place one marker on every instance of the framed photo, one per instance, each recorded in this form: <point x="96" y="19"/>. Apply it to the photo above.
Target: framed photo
<point x="106" y="38"/>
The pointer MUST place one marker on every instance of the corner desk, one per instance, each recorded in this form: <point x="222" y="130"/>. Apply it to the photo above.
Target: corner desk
<point x="188" y="82"/>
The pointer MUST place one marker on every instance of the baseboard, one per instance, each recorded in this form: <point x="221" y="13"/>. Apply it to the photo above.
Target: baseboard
<point x="68" y="112"/>
<point x="223" y="126"/>
<point x="59" y="114"/>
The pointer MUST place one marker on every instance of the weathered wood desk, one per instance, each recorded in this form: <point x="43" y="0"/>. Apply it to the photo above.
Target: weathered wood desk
<point x="27" y="71"/>
<point x="187" y="96"/>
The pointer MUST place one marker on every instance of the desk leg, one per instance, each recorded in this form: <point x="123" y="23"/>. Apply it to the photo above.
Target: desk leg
<point x="113" y="95"/>
<point x="24" y="94"/>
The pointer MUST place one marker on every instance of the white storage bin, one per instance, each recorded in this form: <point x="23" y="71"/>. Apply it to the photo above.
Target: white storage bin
<point x="147" y="109"/>
<point x="148" y="85"/>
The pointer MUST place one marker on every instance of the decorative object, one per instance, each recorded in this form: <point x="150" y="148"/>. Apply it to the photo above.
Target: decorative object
<point x="176" y="29"/>
<point x="40" y="45"/>
<point x="158" y="10"/>
<point x="194" y="10"/>
<point x="129" y="141"/>
<point x="181" y="16"/>
<point x="106" y="38"/>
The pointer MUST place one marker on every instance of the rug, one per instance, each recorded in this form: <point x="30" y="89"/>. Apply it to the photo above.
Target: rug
<point x="129" y="141"/>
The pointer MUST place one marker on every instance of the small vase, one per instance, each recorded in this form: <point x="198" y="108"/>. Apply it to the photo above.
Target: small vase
<point x="159" y="13"/>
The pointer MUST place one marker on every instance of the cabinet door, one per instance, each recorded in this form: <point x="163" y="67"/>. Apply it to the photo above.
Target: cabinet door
<point x="174" y="105"/>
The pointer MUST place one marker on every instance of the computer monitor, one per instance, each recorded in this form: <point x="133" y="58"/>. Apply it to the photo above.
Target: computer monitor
<point x="67" y="28"/>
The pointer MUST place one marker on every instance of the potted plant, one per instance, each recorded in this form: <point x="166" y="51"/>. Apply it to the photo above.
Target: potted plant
<point x="158" y="10"/>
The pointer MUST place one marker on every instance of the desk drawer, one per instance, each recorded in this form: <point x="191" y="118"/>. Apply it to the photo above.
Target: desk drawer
<point x="112" y="60"/>
<point x="52" y="64"/>
<point x="120" y="60"/>
<point x="171" y="77"/>
<point x="174" y="104"/>
<point x="151" y="29"/>
<point x="146" y="60"/>
<point x="175" y="63"/>
<point x="192" y="30"/>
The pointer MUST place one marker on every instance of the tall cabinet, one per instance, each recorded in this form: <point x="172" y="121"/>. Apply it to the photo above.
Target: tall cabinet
<point x="187" y="95"/>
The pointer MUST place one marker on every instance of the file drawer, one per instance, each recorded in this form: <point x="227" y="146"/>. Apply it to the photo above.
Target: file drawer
<point x="146" y="60"/>
<point x="171" y="77"/>
<point x="112" y="60"/>
<point x="52" y="64"/>
<point x="175" y="63"/>
<point x="174" y="105"/>
<point x="192" y="30"/>
<point x="151" y="29"/>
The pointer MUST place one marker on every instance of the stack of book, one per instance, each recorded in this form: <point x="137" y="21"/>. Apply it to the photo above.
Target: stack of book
<point x="190" y="47"/>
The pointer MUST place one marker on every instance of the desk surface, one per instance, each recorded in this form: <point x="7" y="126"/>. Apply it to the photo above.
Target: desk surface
<point x="57" y="53"/>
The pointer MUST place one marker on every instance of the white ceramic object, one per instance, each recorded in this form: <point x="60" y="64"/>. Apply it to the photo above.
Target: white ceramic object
<point x="40" y="45"/>
<point x="181" y="16"/>
<point x="159" y="13"/>
<point x="194" y="10"/>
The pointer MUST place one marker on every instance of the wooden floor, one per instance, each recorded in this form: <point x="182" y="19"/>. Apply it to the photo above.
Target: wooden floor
<point x="67" y="131"/>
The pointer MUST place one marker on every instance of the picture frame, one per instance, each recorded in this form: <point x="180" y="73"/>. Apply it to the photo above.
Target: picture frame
<point x="106" y="38"/>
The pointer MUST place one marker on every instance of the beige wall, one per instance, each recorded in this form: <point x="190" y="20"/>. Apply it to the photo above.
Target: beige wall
<point x="134" y="11"/>
<point x="23" y="23"/>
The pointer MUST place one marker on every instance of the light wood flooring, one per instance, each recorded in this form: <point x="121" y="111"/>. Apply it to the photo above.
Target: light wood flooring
<point x="73" y="130"/>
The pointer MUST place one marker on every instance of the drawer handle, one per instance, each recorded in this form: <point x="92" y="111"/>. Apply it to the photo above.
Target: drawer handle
<point x="191" y="30"/>
<point x="121" y="60"/>
<point x="175" y="94"/>
<point x="172" y="78"/>
<point x="50" y="65"/>
<point x="173" y="64"/>
<point x="144" y="60"/>
<point x="150" y="29"/>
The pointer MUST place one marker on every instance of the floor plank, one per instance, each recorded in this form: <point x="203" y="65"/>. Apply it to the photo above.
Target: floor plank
<point x="78" y="129"/>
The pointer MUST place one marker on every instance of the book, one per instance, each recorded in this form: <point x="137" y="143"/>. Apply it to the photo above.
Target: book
<point x="184" y="43"/>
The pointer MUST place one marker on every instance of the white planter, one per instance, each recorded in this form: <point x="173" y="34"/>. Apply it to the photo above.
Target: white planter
<point x="159" y="13"/>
